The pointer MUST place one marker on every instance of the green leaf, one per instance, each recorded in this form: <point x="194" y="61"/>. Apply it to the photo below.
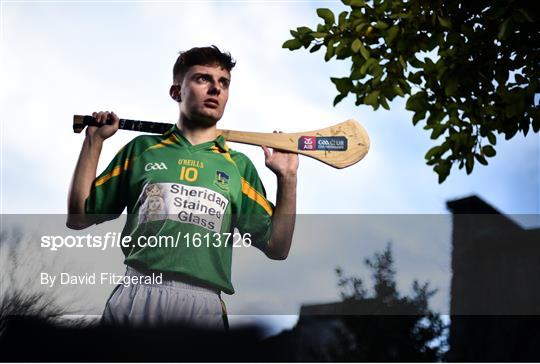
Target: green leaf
<point x="535" y="114"/>
<point x="435" y="116"/>
<point x="525" y="127"/>
<point x="456" y="141"/>
<point x="405" y="86"/>
<point x="398" y="90"/>
<point x="343" y="85"/>
<point x="520" y="80"/>
<point x="364" y="52"/>
<point x="358" y="3"/>
<point x="402" y="62"/>
<point x="304" y="30"/>
<point x="329" y="51"/>
<point x="451" y="87"/>
<point x="511" y="110"/>
<point x="432" y="152"/>
<point x="292" y="44"/>
<point x="366" y="66"/>
<point x="342" y="18"/>
<point x="438" y="130"/>
<point x="327" y="15"/>
<point x="509" y="134"/>
<point x="525" y="15"/>
<point x="384" y="103"/>
<point x="480" y="158"/>
<point x="339" y="98"/>
<point x="503" y="29"/>
<point x="417" y="102"/>
<point x="415" y="62"/>
<point x="391" y="34"/>
<point x="355" y="46"/>
<point x="415" y="77"/>
<point x="469" y="164"/>
<point x="360" y="27"/>
<point x="418" y="116"/>
<point x="488" y="151"/>
<point x="441" y="69"/>
<point x="319" y="34"/>
<point x="429" y="66"/>
<point x="492" y="138"/>
<point x="454" y="38"/>
<point x="371" y="99"/>
<point x="443" y="169"/>
<point x="315" y="48"/>
<point x="445" y="22"/>
<point x="381" y="25"/>
<point x="340" y="50"/>
<point x="357" y="73"/>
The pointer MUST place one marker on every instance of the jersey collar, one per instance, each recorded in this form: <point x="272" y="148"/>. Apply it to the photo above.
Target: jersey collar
<point x="182" y="140"/>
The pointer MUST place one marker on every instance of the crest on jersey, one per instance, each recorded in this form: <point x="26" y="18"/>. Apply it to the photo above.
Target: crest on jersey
<point x="222" y="180"/>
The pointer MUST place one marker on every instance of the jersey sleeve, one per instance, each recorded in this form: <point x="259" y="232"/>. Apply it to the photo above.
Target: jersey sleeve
<point x="255" y="213"/>
<point x="109" y="191"/>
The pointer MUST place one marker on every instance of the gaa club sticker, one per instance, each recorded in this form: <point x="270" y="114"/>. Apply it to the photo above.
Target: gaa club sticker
<point x="333" y="143"/>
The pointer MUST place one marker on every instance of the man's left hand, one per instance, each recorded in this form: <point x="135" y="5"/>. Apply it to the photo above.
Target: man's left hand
<point x="283" y="164"/>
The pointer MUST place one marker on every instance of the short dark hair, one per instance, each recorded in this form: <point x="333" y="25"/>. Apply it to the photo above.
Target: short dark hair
<point x="202" y="56"/>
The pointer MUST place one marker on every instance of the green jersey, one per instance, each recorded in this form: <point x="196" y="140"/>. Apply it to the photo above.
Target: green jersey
<point x="195" y="195"/>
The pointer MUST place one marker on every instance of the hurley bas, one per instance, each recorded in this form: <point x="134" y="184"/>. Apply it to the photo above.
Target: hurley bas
<point x="103" y="278"/>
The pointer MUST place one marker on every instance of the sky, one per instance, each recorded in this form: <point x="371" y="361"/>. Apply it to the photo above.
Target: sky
<point x="64" y="58"/>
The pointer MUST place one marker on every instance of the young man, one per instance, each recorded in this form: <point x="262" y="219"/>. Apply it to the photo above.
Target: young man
<point x="185" y="184"/>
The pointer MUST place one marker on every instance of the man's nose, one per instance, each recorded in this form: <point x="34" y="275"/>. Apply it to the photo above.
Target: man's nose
<point x="214" y="89"/>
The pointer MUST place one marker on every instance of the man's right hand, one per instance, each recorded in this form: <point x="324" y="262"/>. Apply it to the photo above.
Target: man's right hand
<point x="100" y="133"/>
<point x="85" y="171"/>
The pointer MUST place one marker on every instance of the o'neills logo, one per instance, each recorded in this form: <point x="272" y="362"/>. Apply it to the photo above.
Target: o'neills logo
<point x="335" y="143"/>
<point x="189" y="204"/>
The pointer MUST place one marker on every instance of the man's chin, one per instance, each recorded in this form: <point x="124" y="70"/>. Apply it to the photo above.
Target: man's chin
<point x="205" y="120"/>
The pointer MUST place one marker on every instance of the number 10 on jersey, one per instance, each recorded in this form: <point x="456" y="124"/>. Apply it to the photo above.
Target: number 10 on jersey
<point x="189" y="174"/>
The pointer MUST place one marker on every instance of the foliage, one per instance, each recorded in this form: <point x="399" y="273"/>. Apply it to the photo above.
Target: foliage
<point x="18" y="296"/>
<point x="469" y="69"/>
<point x="399" y="328"/>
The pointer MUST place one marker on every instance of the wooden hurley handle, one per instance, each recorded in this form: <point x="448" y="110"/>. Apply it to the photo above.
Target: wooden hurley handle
<point x="339" y="146"/>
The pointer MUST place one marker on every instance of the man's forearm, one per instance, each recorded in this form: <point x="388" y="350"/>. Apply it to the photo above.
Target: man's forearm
<point x="284" y="218"/>
<point x="83" y="177"/>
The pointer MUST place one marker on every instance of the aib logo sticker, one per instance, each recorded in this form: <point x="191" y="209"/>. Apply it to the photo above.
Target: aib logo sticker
<point x="222" y="180"/>
<point x="306" y="143"/>
<point x="336" y="143"/>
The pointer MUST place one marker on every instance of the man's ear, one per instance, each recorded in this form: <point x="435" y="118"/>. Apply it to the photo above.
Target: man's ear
<point x="174" y="91"/>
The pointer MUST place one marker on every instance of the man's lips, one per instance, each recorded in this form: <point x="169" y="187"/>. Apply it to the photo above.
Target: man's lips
<point x="211" y="102"/>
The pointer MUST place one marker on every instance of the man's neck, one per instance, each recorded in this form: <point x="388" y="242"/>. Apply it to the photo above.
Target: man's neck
<point x="196" y="134"/>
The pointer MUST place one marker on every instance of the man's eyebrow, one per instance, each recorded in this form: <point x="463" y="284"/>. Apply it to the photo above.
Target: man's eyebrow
<point x="200" y="74"/>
